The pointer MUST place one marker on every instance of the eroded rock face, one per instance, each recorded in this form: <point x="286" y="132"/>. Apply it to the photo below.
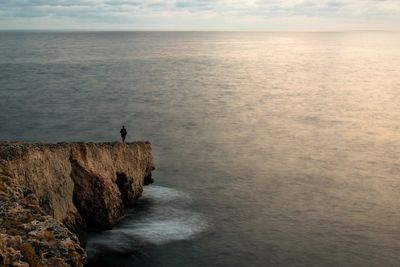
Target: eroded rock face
<point x="48" y="193"/>
<point x="114" y="183"/>
<point x="29" y="237"/>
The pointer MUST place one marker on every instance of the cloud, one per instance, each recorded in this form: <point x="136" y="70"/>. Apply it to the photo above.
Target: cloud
<point x="157" y="11"/>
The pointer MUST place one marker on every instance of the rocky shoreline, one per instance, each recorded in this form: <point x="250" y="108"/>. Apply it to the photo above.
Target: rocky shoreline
<point x="51" y="194"/>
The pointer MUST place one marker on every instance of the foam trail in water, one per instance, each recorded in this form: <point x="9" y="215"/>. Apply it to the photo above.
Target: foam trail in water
<point x="164" y="194"/>
<point x="167" y="230"/>
<point x="166" y="220"/>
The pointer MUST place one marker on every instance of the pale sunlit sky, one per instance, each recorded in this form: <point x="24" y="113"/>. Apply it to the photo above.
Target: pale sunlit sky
<point x="201" y="14"/>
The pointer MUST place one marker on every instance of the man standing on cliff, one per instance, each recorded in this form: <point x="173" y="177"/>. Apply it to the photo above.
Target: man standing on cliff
<point x="123" y="133"/>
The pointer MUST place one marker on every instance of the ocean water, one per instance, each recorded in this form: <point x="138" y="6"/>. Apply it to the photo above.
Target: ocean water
<point x="272" y="149"/>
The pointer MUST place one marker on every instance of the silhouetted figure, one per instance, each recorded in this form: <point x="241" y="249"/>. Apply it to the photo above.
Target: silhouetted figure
<point x="123" y="133"/>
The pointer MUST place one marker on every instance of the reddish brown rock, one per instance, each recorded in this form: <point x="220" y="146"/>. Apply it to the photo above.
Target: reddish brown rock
<point x="29" y="237"/>
<point x="49" y="190"/>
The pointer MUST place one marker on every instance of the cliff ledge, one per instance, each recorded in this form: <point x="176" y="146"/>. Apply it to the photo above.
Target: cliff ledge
<point x="50" y="194"/>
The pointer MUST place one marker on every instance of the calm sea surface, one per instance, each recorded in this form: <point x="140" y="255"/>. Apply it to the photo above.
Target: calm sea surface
<point x="272" y="149"/>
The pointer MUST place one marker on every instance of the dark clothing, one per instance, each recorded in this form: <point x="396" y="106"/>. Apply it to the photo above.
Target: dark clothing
<point x="123" y="134"/>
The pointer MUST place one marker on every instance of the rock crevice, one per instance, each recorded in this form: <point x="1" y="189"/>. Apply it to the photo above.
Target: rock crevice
<point x="67" y="186"/>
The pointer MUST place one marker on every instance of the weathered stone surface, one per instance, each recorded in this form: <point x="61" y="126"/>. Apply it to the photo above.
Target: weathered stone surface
<point x="29" y="237"/>
<point x="46" y="190"/>
<point x="100" y="168"/>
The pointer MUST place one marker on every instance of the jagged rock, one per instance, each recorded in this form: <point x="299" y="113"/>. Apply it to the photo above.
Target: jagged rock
<point x="29" y="237"/>
<point x="49" y="192"/>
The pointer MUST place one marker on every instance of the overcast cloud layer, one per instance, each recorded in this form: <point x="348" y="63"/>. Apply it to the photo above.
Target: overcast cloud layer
<point x="201" y="14"/>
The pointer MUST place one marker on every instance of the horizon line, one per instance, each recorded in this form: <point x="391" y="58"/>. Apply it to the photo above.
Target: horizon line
<point x="158" y="30"/>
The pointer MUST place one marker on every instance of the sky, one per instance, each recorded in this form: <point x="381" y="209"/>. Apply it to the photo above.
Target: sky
<point x="291" y="15"/>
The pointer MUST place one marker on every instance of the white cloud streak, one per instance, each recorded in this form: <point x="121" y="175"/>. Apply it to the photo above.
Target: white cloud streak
<point x="157" y="14"/>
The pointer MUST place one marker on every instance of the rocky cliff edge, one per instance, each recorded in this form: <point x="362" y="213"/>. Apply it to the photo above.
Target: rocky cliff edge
<point x="50" y="194"/>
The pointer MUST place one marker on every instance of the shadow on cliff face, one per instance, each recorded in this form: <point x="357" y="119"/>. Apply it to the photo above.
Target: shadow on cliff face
<point x="122" y="183"/>
<point x="148" y="179"/>
<point x="74" y="185"/>
<point x="99" y="200"/>
<point x="95" y="199"/>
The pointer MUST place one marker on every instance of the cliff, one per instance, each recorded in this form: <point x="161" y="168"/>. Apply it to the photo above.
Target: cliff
<point x="50" y="193"/>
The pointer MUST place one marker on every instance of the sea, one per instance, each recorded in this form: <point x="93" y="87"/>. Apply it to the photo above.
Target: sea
<point x="271" y="148"/>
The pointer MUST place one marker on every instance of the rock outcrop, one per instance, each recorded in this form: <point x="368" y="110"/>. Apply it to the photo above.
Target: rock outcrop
<point x="49" y="193"/>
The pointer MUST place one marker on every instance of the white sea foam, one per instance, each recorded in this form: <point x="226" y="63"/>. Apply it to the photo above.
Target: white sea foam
<point x="165" y="222"/>
<point x="161" y="193"/>
<point x="164" y="230"/>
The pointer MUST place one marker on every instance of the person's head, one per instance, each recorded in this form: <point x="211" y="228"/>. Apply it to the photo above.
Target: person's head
<point x="123" y="126"/>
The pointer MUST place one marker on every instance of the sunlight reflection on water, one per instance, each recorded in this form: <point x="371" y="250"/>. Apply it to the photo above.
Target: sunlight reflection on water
<point x="271" y="149"/>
